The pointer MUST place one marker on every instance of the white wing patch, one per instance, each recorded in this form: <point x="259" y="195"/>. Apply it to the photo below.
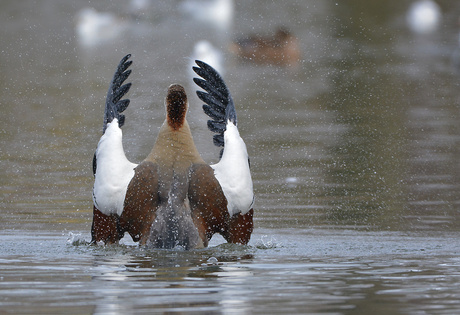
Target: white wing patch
<point x="233" y="172"/>
<point x="113" y="171"/>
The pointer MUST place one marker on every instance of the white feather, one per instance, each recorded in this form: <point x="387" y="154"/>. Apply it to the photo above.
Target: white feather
<point x="233" y="172"/>
<point x="113" y="172"/>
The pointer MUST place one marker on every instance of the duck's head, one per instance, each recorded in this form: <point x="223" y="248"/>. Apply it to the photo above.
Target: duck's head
<point x="176" y="106"/>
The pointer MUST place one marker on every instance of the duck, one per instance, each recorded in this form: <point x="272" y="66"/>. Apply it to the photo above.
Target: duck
<point x="173" y="198"/>
<point x="423" y="16"/>
<point x="282" y="48"/>
<point x="216" y="13"/>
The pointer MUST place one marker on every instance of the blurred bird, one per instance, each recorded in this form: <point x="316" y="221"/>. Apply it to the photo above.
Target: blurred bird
<point x="140" y="5"/>
<point x="282" y="48"/>
<point x="215" y="12"/>
<point x="95" y="27"/>
<point x="423" y="16"/>
<point x="138" y="9"/>
<point x="205" y="51"/>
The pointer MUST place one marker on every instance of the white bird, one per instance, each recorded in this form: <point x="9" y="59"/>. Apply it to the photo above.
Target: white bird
<point x="216" y="12"/>
<point x="95" y="27"/>
<point x="424" y="16"/>
<point x="173" y="198"/>
<point x="206" y="52"/>
<point x="138" y="6"/>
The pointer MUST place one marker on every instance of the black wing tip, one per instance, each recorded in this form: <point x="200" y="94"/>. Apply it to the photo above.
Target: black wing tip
<point x="122" y="72"/>
<point x="208" y="70"/>
<point x="206" y="66"/>
<point x="219" y="104"/>
<point x="197" y="80"/>
<point x="201" y="64"/>
<point x="125" y="58"/>
<point x="115" y="105"/>
<point x="124" y="64"/>
<point x="218" y="140"/>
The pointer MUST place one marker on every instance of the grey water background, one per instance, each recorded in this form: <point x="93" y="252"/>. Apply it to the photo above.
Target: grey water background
<point x="354" y="155"/>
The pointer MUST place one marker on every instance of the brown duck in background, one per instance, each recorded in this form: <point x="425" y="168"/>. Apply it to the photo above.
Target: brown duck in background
<point x="281" y="49"/>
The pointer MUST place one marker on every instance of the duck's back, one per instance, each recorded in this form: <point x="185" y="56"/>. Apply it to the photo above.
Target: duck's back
<point x="165" y="180"/>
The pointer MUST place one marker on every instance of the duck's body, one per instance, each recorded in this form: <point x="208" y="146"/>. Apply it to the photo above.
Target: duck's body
<point x="282" y="48"/>
<point x="173" y="198"/>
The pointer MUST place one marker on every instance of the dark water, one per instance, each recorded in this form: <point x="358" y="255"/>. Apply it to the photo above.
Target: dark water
<point x="354" y="157"/>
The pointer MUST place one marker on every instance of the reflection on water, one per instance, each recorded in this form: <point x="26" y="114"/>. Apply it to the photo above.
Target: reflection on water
<point x="317" y="271"/>
<point x="354" y="157"/>
<point x="178" y="280"/>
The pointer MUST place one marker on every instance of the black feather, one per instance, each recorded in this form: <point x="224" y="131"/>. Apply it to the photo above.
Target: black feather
<point x="121" y="78"/>
<point x="94" y="164"/>
<point x="120" y="92"/>
<point x="204" y="72"/>
<point x="218" y="140"/>
<point x="212" y="90"/>
<point x="122" y="105"/>
<point x="124" y="63"/>
<point x="218" y="105"/>
<point x="216" y="126"/>
<point x="210" y="74"/>
<point x="121" y="120"/>
<point x="211" y="101"/>
<point x="114" y="104"/>
<point x="214" y="114"/>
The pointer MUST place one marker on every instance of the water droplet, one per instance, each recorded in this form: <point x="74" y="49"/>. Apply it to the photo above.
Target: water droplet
<point x="212" y="260"/>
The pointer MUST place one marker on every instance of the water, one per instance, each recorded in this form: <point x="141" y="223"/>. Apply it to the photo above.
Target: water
<point x="296" y="271"/>
<point x="354" y="157"/>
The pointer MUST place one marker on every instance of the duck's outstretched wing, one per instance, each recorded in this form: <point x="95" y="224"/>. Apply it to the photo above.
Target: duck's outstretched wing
<point x="219" y="103"/>
<point x="114" y="105"/>
<point x="232" y="171"/>
<point x="112" y="170"/>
